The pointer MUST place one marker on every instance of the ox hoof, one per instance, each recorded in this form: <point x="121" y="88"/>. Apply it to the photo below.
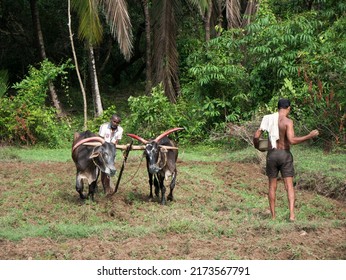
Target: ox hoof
<point x="170" y="198"/>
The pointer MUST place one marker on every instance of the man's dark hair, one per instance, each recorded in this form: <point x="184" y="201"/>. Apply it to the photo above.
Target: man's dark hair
<point x="284" y="103"/>
<point x="116" y="116"/>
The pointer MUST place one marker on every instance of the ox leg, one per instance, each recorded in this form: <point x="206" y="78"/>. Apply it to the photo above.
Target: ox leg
<point x="150" y="184"/>
<point x="172" y="185"/>
<point x="80" y="186"/>
<point x="92" y="190"/>
<point x="163" y="190"/>
<point x="93" y="185"/>
<point x="157" y="186"/>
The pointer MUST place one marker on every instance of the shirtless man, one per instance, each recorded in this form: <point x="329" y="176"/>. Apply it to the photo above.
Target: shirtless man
<point x="281" y="159"/>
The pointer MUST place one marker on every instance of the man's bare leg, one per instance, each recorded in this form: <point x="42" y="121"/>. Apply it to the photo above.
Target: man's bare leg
<point x="290" y="195"/>
<point x="272" y="195"/>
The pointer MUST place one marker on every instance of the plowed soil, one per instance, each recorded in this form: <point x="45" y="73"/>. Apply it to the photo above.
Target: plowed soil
<point x="50" y="185"/>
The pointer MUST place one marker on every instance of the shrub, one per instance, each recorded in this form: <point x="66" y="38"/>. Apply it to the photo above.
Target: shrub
<point x="24" y="117"/>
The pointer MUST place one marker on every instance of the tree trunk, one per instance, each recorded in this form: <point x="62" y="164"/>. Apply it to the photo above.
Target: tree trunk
<point x="148" y="46"/>
<point x="77" y="67"/>
<point x="207" y="21"/>
<point x="251" y="9"/>
<point x="219" y="18"/>
<point x="41" y="50"/>
<point x="95" y="90"/>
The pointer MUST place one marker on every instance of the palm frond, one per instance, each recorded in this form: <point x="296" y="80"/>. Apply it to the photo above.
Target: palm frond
<point x="118" y="18"/>
<point x="90" y="27"/>
<point x="165" y="61"/>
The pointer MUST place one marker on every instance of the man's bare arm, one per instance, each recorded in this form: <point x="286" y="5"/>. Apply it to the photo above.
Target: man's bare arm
<point x="293" y="140"/>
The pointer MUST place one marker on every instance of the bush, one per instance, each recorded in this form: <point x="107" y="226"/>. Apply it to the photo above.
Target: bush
<point x="24" y="117"/>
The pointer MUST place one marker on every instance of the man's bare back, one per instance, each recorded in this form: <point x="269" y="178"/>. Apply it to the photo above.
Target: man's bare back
<point x="284" y="126"/>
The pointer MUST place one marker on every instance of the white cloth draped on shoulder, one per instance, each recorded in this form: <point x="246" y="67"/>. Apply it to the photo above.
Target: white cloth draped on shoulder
<point x="270" y="123"/>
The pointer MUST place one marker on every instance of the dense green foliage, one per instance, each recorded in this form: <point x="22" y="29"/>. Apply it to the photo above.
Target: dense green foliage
<point x="291" y="49"/>
<point x="25" y="118"/>
<point x="301" y="57"/>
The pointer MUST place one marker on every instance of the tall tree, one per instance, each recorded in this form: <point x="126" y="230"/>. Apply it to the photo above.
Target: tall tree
<point x="90" y="29"/>
<point x="165" y="60"/>
<point x="42" y="51"/>
<point x="145" y="6"/>
<point x="85" y="106"/>
<point x="165" y="53"/>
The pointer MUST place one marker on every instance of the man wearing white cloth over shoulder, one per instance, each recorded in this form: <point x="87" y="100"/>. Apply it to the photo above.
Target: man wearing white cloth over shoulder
<point x="279" y="157"/>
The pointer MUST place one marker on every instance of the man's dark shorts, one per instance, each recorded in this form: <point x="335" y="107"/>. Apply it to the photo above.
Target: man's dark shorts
<point x="279" y="160"/>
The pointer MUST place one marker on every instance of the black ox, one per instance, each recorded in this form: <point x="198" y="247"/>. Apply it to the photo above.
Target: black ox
<point x="92" y="154"/>
<point x="161" y="157"/>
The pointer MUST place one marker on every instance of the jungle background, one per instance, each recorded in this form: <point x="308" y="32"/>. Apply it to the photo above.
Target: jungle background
<point x="202" y="65"/>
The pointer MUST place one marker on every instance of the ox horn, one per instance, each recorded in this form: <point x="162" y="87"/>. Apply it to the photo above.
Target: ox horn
<point x="134" y="136"/>
<point x="169" y="131"/>
<point x="90" y="139"/>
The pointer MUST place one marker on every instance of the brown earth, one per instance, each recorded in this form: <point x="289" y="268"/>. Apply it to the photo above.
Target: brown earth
<point x="292" y="241"/>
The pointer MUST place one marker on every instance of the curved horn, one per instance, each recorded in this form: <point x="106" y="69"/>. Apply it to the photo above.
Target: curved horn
<point x="96" y="138"/>
<point x="134" y="136"/>
<point x="169" y="131"/>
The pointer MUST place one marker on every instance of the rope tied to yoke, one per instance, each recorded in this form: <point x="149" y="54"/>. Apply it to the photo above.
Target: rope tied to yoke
<point x="133" y="176"/>
<point x="159" y="160"/>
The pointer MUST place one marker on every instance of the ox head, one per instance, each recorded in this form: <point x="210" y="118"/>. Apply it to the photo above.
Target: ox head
<point x="102" y="154"/>
<point x="153" y="149"/>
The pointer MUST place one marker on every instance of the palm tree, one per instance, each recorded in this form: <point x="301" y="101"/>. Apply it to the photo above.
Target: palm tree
<point x="145" y="6"/>
<point x="229" y="11"/>
<point x="165" y="54"/>
<point x="90" y="30"/>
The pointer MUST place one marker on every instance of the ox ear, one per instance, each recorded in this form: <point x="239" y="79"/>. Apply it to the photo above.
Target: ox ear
<point x="75" y="136"/>
<point x="94" y="155"/>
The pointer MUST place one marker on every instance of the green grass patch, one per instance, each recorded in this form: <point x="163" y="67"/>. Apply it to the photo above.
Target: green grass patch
<point x="35" y="154"/>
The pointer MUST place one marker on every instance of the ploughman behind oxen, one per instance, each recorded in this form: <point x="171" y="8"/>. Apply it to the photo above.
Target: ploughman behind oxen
<point x="92" y="155"/>
<point x="161" y="157"/>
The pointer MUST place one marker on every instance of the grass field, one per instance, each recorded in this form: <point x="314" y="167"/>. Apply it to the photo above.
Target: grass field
<point x="220" y="209"/>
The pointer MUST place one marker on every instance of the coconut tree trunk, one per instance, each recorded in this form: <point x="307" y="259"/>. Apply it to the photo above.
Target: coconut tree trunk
<point x="148" y="46"/>
<point x="98" y="109"/>
<point x="41" y="50"/>
<point x="207" y="21"/>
